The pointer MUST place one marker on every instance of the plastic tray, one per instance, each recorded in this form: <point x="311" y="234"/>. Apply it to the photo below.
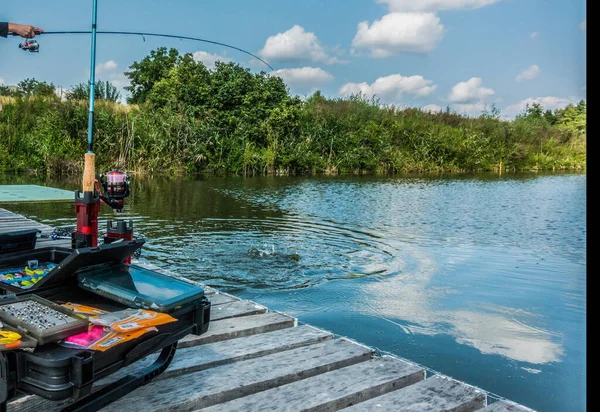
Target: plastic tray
<point x="68" y="261"/>
<point x="76" y="323"/>
<point x="25" y="342"/>
<point x="138" y="287"/>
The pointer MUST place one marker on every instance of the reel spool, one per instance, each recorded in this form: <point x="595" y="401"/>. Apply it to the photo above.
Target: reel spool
<point x="115" y="188"/>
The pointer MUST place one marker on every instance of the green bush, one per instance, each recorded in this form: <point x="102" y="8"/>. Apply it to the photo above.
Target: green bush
<point x="185" y="118"/>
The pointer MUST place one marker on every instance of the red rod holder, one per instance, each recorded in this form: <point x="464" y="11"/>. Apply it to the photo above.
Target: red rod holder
<point x="86" y="209"/>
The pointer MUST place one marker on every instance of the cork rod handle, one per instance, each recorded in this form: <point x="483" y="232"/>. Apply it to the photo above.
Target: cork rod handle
<point x="89" y="173"/>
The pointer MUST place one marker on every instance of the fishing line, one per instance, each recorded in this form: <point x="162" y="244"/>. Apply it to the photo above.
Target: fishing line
<point x="171" y="36"/>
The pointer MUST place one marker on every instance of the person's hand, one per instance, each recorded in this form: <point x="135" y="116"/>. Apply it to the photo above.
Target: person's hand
<point x="24" y="30"/>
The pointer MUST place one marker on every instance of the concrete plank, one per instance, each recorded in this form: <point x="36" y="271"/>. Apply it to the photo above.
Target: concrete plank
<point x="15" y="226"/>
<point x="221" y="298"/>
<point x="62" y="243"/>
<point x="198" y="358"/>
<point x="33" y="193"/>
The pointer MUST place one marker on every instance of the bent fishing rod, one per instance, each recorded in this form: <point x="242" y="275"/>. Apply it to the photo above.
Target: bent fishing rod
<point x="35" y="48"/>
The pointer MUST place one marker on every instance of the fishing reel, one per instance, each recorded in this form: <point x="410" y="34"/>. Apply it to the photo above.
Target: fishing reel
<point x="30" y="45"/>
<point x="111" y="189"/>
<point x="115" y="185"/>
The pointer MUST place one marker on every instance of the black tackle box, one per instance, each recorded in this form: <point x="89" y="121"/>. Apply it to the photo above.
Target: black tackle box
<point x="18" y="240"/>
<point x="65" y="263"/>
<point x="56" y="372"/>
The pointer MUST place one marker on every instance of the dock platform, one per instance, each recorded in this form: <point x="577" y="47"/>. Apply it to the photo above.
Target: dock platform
<point x="253" y="359"/>
<point x="33" y="193"/>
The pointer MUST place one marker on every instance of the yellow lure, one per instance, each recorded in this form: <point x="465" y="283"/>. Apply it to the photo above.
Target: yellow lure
<point x="7" y="336"/>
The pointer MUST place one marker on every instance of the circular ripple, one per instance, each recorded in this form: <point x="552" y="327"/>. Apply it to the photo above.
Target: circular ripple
<point x="288" y="252"/>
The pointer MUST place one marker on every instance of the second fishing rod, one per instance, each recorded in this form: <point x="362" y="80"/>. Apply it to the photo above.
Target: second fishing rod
<point x="33" y="45"/>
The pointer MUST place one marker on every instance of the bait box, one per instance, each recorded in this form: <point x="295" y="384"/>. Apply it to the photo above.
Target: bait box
<point x="56" y="372"/>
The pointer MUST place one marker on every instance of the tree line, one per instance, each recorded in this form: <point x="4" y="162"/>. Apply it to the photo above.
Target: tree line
<point x="183" y="117"/>
<point x="104" y="90"/>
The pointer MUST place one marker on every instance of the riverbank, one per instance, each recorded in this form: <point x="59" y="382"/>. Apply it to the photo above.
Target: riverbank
<point x="257" y="128"/>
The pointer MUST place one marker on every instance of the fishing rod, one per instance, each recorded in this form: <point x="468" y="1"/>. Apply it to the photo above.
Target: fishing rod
<point x="88" y="205"/>
<point x="34" y="46"/>
<point x="116" y="185"/>
<point x="89" y="174"/>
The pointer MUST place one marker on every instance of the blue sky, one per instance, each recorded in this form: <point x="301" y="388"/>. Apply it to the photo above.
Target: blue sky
<point x="426" y="53"/>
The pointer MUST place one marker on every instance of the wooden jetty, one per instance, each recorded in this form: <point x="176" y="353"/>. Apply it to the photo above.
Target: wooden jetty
<point x="253" y="359"/>
<point x="10" y="221"/>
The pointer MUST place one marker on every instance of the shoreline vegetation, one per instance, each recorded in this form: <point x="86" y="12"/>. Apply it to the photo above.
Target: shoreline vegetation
<point x="183" y="118"/>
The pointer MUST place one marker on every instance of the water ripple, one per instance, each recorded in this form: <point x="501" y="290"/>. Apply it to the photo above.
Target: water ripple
<point x="283" y="253"/>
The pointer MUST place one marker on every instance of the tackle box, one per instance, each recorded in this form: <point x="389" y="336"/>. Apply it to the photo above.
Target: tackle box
<point x="56" y="372"/>
<point x="67" y="262"/>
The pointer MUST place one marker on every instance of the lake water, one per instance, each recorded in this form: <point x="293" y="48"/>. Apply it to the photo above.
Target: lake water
<point x="480" y="277"/>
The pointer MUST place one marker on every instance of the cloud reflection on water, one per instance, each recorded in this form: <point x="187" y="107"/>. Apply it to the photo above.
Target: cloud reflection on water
<point x="409" y="302"/>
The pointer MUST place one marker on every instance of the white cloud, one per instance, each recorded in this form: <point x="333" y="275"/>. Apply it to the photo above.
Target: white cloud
<point x="399" y="32"/>
<point x="548" y="102"/>
<point x="61" y="92"/>
<point x="296" y="45"/>
<point x="470" y="109"/>
<point x="582" y="25"/>
<point x="528" y="74"/>
<point x="410" y="27"/>
<point x="391" y="87"/>
<point x="208" y="59"/>
<point x="1" y="80"/>
<point x="534" y="35"/>
<point x="303" y="77"/>
<point x="469" y="91"/>
<point x="108" y="71"/>
<point x="106" y="67"/>
<point x="119" y="80"/>
<point x="433" y="108"/>
<point x="435" y="5"/>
